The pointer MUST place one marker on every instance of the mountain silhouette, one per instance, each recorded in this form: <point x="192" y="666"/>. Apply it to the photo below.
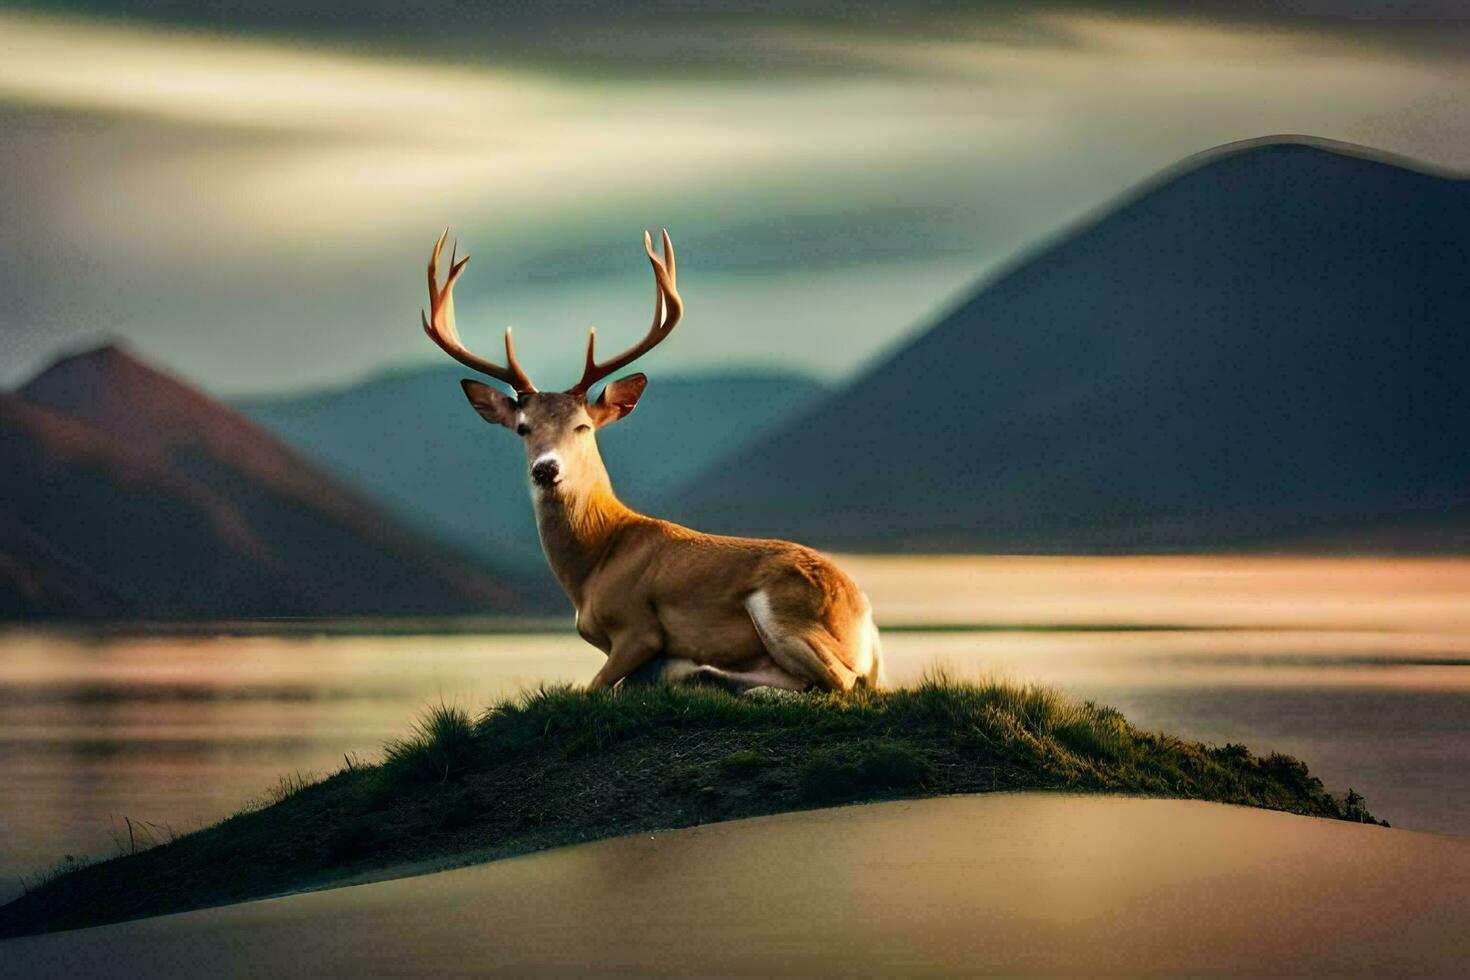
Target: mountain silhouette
<point x="129" y="493"/>
<point x="1271" y="337"/>
<point x="411" y="442"/>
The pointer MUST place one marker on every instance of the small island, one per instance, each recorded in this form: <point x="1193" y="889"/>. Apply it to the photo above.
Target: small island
<point x="558" y="766"/>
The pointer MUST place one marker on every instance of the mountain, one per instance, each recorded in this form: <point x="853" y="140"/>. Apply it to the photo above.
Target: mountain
<point x="410" y="442"/>
<point x="130" y="494"/>
<point x="1439" y="531"/>
<point x="1270" y="337"/>
<point x="37" y="583"/>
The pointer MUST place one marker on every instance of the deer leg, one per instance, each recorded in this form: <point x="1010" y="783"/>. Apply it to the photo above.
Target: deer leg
<point x="805" y="650"/>
<point x="661" y="670"/>
<point x="627" y="655"/>
<point x="676" y="671"/>
<point x="740" y="681"/>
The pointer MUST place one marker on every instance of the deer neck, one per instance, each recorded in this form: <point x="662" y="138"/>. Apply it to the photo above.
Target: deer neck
<point x="577" y="525"/>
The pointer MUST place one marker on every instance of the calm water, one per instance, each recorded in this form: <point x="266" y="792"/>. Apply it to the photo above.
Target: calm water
<point x="1360" y="667"/>
<point x="1003" y="883"/>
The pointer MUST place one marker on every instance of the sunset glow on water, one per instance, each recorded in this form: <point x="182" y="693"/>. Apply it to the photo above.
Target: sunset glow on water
<point x="1361" y="667"/>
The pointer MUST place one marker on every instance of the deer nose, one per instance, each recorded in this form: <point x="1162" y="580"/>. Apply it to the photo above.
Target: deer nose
<point x="545" y="472"/>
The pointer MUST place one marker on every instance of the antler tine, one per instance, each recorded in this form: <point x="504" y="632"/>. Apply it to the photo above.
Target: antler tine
<point x="439" y="323"/>
<point x="667" y="309"/>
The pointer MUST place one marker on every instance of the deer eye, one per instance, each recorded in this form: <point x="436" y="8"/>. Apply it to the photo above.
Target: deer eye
<point x="584" y="427"/>
<point x="523" y="429"/>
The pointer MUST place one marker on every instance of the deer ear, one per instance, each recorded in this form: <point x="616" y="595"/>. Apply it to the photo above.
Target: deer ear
<point x="494" y="406"/>
<point x="617" y="399"/>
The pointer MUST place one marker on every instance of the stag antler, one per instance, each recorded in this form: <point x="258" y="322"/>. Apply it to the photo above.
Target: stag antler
<point x="439" y="324"/>
<point x="667" y="308"/>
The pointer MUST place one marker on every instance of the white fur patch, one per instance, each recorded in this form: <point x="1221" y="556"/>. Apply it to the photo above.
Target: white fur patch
<point x="869" y="659"/>
<point x="744" y="680"/>
<point x="862" y="659"/>
<point x="677" y="669"/>
<point x="553" y="457"/>
<point x="759" y="607"/>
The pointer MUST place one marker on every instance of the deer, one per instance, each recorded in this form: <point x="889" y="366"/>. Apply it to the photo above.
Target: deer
<point x="664" y="603"/>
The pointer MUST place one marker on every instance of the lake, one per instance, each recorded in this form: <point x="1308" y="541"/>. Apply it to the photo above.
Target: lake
<point x="1361" y="667"/>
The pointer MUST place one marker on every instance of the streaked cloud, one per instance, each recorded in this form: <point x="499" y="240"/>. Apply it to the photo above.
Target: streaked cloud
<point x="256" y="212"/>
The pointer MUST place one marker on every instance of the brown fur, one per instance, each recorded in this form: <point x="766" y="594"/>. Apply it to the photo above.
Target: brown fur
<point x="755" y="611"/>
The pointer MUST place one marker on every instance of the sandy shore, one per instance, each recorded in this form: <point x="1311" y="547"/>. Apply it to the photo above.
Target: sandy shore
<point x="1005" y="883"/>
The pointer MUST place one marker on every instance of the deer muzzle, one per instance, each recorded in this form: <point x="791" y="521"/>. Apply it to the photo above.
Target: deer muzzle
<point x="546" y="471"/>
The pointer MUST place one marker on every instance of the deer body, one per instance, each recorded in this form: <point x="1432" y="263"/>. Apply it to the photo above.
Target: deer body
<point x="664" y="602"/>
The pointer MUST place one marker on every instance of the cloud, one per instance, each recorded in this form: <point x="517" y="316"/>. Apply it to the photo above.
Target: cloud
<point x="658" y="38"/>
<point x="256" y="213"/>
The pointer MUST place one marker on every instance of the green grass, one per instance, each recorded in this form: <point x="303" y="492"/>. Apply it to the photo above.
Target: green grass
<point x="746" y="762"/>
<point x="874" y="768"/>
<point x="1079" y="745"/>
<point x="442" y="746"/>
<point x="558" y="765"/>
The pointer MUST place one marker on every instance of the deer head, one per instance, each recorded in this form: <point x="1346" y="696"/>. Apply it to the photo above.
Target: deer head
<point x="557" y="427"/>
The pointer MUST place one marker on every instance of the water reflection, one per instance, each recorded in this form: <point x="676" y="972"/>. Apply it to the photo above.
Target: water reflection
<point x="1358" y="667"/>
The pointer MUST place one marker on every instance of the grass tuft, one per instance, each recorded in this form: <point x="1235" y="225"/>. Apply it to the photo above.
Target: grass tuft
<point x="441" y="747"/>
<point x="286" y="787"/>
<point x="68" y="864"/>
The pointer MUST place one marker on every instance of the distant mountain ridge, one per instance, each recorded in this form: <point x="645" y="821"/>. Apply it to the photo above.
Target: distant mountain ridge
<point x="411" y="442"/>
<point x="1273" y="337"/>
<point x="130" y="494"/>
<point x="1264" y="349"/>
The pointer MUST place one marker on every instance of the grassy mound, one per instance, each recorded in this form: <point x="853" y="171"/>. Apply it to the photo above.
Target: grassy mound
<point x="557" y="766"/>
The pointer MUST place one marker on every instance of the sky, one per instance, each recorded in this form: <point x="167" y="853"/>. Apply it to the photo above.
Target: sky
<point x="248" y="197"/>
